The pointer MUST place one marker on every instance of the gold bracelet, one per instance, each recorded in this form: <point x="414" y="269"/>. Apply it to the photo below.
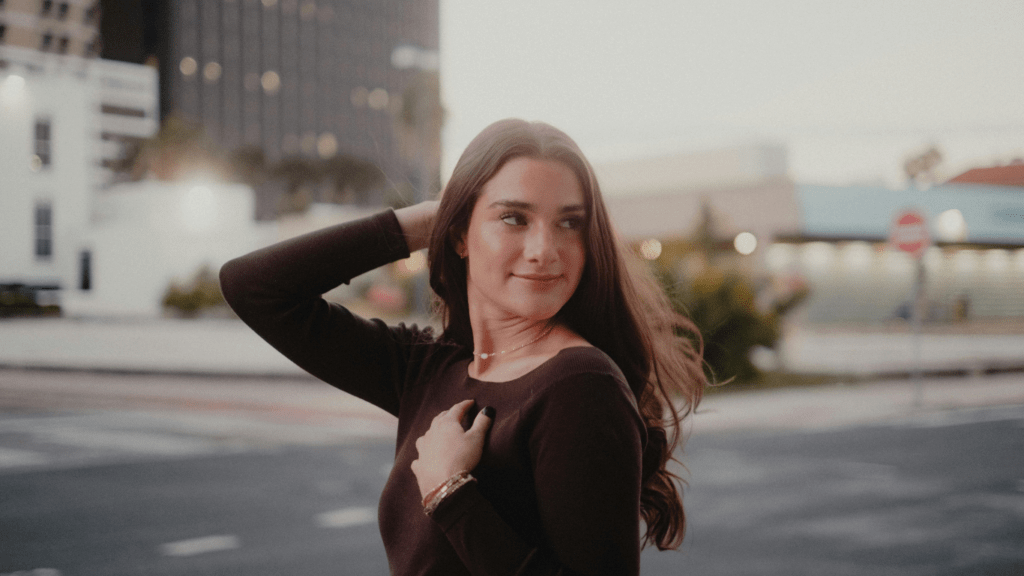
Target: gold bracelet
<point x="434" y="498"/>
<point x="442" y="485"/>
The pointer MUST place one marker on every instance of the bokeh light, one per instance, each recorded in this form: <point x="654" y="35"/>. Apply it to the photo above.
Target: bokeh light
<point x="950" y="226"/>
<point x="271" y="82"/>
<point x="650" y="249"/>
<point x="188" y="66"/>
<point x="745" y="243"/>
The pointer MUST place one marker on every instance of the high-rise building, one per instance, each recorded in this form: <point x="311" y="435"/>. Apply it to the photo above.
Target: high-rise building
<point x="307" y="78"/>
<point x="70" y="27"/>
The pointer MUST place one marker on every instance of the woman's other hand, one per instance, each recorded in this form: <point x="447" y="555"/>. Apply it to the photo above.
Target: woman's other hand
<point x="447" y="449"/>
<point x="417" y="222"/>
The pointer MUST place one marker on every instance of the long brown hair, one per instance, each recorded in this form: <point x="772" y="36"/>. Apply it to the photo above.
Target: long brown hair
<point x="618" y="307"/>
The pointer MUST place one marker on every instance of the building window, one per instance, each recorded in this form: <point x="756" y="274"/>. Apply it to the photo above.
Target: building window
<point x="62" y="11"/>
<point x="46" y="42"/>
<point x="62" y="45"/>
<point x="42" y="145"/>
<point x="47" y="7"/>
<point x="91" y="13"/>
<point x="85" y="270"/>
<point x="3" y="31"/>
<point x="122" y="111"/>
<point x="44" y="231"/>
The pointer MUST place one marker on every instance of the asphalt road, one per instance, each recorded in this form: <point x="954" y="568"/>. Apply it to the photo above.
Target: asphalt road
<point x="94" y="491"/>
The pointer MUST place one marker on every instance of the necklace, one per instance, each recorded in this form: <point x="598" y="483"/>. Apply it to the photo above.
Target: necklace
<point x="486" y="355"/>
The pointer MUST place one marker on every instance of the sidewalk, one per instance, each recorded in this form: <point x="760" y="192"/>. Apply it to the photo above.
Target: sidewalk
<point x="227" y="347"/>
<point x="180" y="347"/>
<point x="875" y="354"/>
<point x="274" y="386"/>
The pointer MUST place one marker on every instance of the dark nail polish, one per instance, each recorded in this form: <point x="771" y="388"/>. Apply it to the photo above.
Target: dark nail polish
<point x="488" y="411"/>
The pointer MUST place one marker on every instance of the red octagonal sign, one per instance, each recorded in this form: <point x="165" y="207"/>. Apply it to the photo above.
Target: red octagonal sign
<point x="910" y="233"/>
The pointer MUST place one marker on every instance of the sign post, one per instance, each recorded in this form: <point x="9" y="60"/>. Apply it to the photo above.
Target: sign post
<point x="909" y="233"/>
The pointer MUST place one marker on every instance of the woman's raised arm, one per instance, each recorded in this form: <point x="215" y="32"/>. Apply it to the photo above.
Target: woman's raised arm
<point x="278" y="290"/>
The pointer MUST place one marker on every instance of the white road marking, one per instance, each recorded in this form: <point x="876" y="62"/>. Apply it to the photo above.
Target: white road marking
<point x="36" y="572"/>
<point x="11" y="458"/>
<point x="196" y="546"/>
<point x="346" y="517"/>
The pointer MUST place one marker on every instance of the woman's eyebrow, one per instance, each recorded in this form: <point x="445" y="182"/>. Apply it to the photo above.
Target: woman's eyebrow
<point x="529" y="207"/>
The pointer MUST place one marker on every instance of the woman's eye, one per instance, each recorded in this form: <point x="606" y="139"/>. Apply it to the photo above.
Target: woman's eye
<point x="513" y="219"/>
<point x="572" y="223"/>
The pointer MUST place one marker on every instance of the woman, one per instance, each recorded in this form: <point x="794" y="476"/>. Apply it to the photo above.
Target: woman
<point x="572" y="355"/>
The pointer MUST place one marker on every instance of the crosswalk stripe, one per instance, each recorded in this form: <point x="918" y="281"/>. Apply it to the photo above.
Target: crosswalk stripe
<point x="203" y="545"/>
<point x="12" y="458"/>
<point x="346" y="517"/>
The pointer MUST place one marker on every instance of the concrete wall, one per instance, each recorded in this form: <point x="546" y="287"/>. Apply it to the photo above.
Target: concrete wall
<point x="149" y="234"/>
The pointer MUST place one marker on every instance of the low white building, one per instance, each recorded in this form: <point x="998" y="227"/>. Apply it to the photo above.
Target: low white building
<point x="146" y="235"/>
<point x="746" y="189"/>
<point x="53" y="140"/>
<point x="833" y="239"/>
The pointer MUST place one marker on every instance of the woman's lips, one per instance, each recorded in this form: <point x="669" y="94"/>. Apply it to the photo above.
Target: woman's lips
<point x="539" y="277"/>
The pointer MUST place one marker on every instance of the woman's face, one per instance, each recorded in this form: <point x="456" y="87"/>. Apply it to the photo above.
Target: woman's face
<point x="524" y="244"/>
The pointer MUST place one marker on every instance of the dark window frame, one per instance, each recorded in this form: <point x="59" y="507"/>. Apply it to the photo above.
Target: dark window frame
<point x="43" y="141"/>
<point x="85" y="270"/>
<point x="43" y="231"/>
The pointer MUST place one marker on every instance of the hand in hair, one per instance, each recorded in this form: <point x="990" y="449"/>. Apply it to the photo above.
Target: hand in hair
<point x="417" y="222"/>
<point x="447" y="449"/>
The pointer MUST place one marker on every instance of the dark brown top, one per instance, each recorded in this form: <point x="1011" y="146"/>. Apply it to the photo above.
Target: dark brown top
<point x="558" y="488"/>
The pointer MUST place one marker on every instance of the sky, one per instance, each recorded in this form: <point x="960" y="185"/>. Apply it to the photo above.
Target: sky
<point x="850" y="88"/>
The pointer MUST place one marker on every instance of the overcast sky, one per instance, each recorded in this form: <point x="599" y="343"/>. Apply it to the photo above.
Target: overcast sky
<point x="850" y="87"/>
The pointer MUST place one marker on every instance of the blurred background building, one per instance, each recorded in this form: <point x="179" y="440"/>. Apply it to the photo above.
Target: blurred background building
<point x="69" y="27"/>
<point x="297" y="78"/>
<point x="266" y="110"/>
<point x="208" y="127"/>
<point x="63" y="117"/>
<point x="737" y="209"/>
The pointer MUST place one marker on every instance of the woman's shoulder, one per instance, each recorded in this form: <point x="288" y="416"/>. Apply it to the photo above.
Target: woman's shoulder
<point x="579" y="360"/>
<point x="581" y="390"/>
<point x="582" y="371"/>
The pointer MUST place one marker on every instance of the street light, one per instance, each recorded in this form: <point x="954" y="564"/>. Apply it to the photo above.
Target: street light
<point x="745" y="243"/>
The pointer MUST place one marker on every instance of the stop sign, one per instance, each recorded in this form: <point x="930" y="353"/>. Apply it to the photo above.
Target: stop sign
<point x="910" y="233"/>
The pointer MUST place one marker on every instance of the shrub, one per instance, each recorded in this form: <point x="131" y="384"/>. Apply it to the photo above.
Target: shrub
<point x="17" y="300"/>
<point x="723" y="305"/>
<point x="201" y="295"/>
<point x="723" y="302"/>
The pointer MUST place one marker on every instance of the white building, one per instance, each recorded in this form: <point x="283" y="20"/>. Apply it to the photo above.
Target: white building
<point x="56" y="128"/>
<point x="72" y="236"/>
<point x="833" y="239"/>
<point x="146" y="235"/>
<point x="662" y="198"/>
